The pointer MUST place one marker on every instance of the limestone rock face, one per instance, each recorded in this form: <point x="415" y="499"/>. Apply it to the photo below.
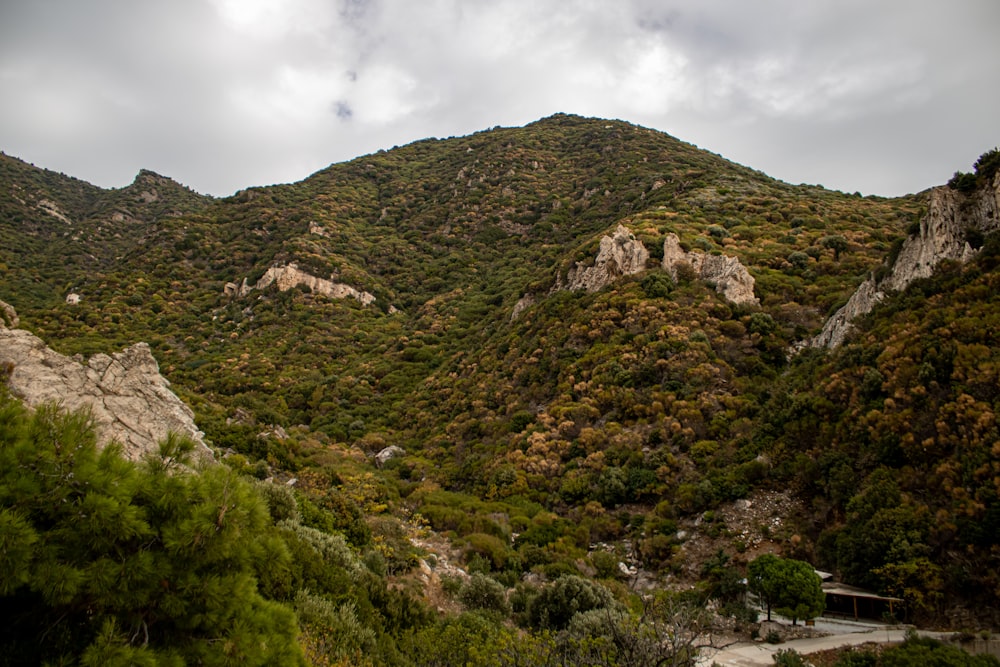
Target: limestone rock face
<point x="387" y="454"/>
<point x="839" y="324"/>
<point x="619" y="255"/>
<point x="730" y="277"/>
<point x="129" y="400"/>
<point x="941" y="237"/>
<point x="8" y="316"/>
<point x="290" y="276"/>
<point x="522" y="304"/>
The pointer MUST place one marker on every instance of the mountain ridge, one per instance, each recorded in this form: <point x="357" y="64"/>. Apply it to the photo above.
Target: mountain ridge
<point x="616" y="412"/>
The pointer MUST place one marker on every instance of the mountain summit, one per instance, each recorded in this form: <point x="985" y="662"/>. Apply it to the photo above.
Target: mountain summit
<point x="576" y="332"/>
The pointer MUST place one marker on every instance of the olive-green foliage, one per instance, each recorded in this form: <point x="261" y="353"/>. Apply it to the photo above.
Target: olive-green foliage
<point x="109" y="562"/>
<point x="790" y="586"/>
<point x="915" y="650"/>
<point x="891" y="436"/>
<point x="557" y="603"/>
<point x="483" y="592"/>
<point x="588" y="405"/>
<point x="335" y="629"/>
<point x="789" y="657"/>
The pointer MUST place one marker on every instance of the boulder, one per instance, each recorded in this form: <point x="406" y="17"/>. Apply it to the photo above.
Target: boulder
<point x="727" y="273"/>
<point x="620" y="254"/>
<point x="290" y="276"/>
<point x="388" y="454"/>
<point x="129" y="400"/>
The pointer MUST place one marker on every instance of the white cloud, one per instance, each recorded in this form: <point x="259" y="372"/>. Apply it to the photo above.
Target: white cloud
<point x="222" y="94"/>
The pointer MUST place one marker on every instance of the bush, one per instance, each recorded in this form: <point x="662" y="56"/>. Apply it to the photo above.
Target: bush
<point x="962" y="182"/>
<point x="559" y="602"/>
<point x="491" y="549"/>
<point x="789" y="658"/>
<point x="482" y="592"/>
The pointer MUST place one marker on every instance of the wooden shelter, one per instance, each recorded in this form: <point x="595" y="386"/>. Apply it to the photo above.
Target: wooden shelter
<point x="857" y="603"/>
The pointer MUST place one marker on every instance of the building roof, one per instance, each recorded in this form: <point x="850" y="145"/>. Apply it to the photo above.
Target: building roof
<point x="835" y="588"/>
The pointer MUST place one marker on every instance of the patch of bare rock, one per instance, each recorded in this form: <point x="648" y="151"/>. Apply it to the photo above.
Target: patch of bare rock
<point x="128" y="399"/>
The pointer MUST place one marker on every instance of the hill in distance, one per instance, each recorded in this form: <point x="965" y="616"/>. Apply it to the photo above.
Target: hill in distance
<point x="635" y="414"/>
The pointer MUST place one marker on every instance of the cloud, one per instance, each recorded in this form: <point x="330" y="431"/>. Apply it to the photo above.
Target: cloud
<point x="885" y="97"/>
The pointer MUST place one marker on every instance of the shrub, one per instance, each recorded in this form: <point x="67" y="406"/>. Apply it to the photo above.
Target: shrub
<point x="482" y="592"/>
<point x="560" y="601"/>
<point x="492" y="549"/>
<point x="789" y="658"/>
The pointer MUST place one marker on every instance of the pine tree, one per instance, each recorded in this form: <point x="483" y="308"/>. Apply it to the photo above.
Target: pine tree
<point x="108" y="562"/>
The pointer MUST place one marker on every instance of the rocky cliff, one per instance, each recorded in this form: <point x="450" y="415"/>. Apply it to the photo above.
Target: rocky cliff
<point x="943" y="234"/>
<point x="620" y="254"/>
<point x="730" y="277"/>
<point x="128" y="398"/>
<point x="290" y="276"/>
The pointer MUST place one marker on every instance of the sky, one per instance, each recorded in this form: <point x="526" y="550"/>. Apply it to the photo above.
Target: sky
<point x="883" y="97"/>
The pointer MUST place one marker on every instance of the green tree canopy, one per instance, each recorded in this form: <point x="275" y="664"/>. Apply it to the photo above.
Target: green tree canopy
<point x="791" y="587"/>
<point x="108" y="562"/>
<point x="567" y="596"/>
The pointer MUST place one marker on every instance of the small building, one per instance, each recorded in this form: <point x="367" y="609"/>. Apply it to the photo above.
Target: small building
<point x="852" y="602"/>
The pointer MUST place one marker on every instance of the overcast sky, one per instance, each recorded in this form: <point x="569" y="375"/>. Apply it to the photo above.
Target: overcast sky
<point x="879" y="96"/>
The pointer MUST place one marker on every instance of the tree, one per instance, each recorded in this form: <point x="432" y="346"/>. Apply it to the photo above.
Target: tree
<point x="110" y="562"/>
<point x="764" y="579"/>
<point x="802" y="593"/>
<point x="790" y="586"/>
<point x="671" y="630"/>
<point x="836" y="243"/>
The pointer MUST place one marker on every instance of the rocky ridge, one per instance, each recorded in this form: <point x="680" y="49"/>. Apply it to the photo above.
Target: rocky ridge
<point x="942" y="235"/>
<point x="290" y="276"/>
<point x="727" y="273"/>
<point x="620" y="254"/>
<point x="129" y="400"/>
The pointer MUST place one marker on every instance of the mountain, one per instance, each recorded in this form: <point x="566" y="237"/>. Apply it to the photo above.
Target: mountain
<point x="540" y="319"/>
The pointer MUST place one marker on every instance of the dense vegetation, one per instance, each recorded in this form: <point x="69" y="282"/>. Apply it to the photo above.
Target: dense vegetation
<point x="594" y="428"/>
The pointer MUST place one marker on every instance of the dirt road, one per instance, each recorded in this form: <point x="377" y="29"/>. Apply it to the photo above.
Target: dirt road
<point x="761" y="654"/>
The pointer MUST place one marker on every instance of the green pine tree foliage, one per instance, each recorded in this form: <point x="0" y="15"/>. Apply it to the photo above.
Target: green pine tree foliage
<point x="788" y="586"/>
<point x="109" y="562"/>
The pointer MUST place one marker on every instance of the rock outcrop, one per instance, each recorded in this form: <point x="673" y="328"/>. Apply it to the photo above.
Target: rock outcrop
<point x="619" y="255"/>
<point x="8" y="316"/>
<point x="942" y="235"/>
<point x="522" y="304"/>
<point x="290" y="276"/>
<point x="129" y="400"/>
<point x="387" y="454"/>
<point x="730" y="277"/>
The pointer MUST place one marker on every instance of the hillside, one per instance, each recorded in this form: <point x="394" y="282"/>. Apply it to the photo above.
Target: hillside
<point x="628" y="415"/>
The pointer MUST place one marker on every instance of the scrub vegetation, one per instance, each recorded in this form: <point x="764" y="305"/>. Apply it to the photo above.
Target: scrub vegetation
<point x="559" y="452"/>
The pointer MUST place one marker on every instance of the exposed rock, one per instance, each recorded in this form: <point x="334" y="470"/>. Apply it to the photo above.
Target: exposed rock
<point x="941" y="236"/>
<point x="727" y="273"/>
<point x="290" y="276"/>
<point x="128" y="398"/>
<point x="8" y="316"/>
<point x="317" y="229"/>
<point x="275" y="431"/>
<point x="53" y="209"/>
<point x="522" y="304"/>
<point x="388" y="454"/>
<point x="619" y="255"/>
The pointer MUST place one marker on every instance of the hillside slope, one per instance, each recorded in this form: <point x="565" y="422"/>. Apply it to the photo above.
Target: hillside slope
<point x="625" y="409"/>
